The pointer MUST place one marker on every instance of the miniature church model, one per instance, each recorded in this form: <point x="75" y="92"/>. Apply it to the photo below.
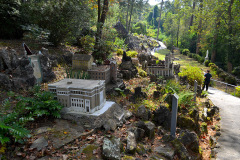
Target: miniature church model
<point x="78" y="95"/>
<point x="164" y="68"/>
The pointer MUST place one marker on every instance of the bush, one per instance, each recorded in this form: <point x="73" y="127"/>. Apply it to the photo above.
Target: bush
<point x="192" y="73"/>
<point x="10" y="19"/>
<point x="222" y="75"/>
<point x="132" y="53"/>
<point x="190" y="55"/>
<point x="236" y="71"/>
<point x="119" y="52"/>
<point x="206" y="63"/>
<point x="185" y="51"/>
<point x="86" y="43"/>
<point x="213" y="66"/>
<point x="231" y="80"/>
<point x="120" y="43"/>
<point x="142" y="73"/>
<point x="238" y="91"/>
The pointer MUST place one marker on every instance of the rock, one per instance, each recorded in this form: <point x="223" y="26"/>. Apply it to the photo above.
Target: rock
<point x="189" y="140"/>
<point x="127" y="114"/>
<point x="153" y="78"/>
<point x="213" y="153"/>
<point x="162" y="117"/>
<point x="67" y="57"/>
<point x="5" y="82"/>
<point x="138" y="132"/>
<point x="138" y="94"/>
<point x="131" y="143"/>
<point x="217" y="134"/>
<point x="128" y="158"/>
<point x="194" y="114"/>
<point x="42" y="130"/>
<point x="180" y="149"/>
<point x="39" y="143"/>
<point x="213" y="141"/>
<point x="165" y="151"/>
<point x="5" y="60"/>
<point x="111" y="148"/>
<point x="110" y="125"/>
<point x="128" y="70"/>
<point x="141" y="149"/>
<point x="167" y="137"/>
<point x="148" y="127"/>
<point x="46" y="67"/>
<point x="143" y="113"/>
<point x="212" y="111"/>
<point x="188" y="123"/>
<point x="156" y="94"/>
<point x="176" y="69"/>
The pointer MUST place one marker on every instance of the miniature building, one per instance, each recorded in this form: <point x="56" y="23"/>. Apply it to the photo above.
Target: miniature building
<point x="100" y="73"/>
<point x="78" y="95"/>
<point x="162" y="69"/>
<point x="107" y="72"/>
<point x="82" y="61"/>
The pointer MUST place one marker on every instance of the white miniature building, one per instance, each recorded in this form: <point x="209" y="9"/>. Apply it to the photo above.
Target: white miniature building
<point x="78" y="95"/>
<point x="165" y="69"/>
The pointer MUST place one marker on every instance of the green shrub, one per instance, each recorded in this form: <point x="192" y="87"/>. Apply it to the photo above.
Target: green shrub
<point x="204" y="128"/>
<point x="185" y="51"/>
<point x="237" y="91"/>
<point x="222" y="75"/>
<point x="218" y="71"/>
<point x="190" y="55"/>
<point x="231" y="80"/>
<point x="213" y="66"/>
<point x="206" y="63"/>
<point x="142" y="73"/>
<point x="192" y="73"/>
<point x="86" y="43"/>
<point x="236" y="71"/>
<point x="119" y="52"/>
<point x="12" y="127"/>
<point x="43" y="104"/>
<point x="132" y="53"/>
<point x="186" y="99"/>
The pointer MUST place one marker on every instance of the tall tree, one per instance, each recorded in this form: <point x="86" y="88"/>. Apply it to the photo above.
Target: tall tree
<point x="159" y="18"/>
<point x="199" y="30"/>
<point x="230" y="32"/>
<point x="192" y="16"/>
<point x="101" y="19"/>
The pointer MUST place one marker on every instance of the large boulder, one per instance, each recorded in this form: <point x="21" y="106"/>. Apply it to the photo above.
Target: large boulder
<point x="162" y="117"/>
<point x="46" y="66"/>
<point x="143" y="113"/>
<point x="189" y="140"/>
<point x="5" y="82"/>
<point x="138" y="132"/>
<point x="111" y="149"/>
<point x="148" y="128"/>
<point x="128" y="70"/>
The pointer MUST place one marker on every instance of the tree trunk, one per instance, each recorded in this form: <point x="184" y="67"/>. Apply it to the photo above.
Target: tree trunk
<point x="230" y="52"/>
<point x="129" y="25"/>
<point x="159" y="19"/>
<point x="199" y="28"/>
<point x="215" y="38"/>
<point x="178" y="30"/>
<point x="127" y="15"/>
<point x="101" y="20"/>
<point x="191" y="18"/>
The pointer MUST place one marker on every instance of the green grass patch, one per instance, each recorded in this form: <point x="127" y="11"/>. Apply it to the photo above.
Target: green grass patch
<point x="161" y="54"/>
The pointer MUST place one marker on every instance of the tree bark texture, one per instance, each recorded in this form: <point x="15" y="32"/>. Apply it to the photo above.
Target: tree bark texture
<point x="199" y="27"/>
<point x="159" y="19"/>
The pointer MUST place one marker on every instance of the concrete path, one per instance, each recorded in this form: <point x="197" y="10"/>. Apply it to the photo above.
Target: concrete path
<point x="229" y="140"/>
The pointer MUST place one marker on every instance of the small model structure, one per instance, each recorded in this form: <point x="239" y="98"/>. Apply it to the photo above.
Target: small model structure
<point x="78" y="95"/>
<point x="163" y="68"/>
<point x="100" y="73"/>
<point x="82" y="61"/>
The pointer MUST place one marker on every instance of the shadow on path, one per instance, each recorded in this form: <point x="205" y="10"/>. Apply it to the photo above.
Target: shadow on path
<point x="229" y="141"/>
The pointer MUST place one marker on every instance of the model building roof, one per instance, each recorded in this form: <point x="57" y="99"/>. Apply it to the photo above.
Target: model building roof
<point x="101" y="68"/>
<point x="82" y="57"/>
<point x="77" y="83"/>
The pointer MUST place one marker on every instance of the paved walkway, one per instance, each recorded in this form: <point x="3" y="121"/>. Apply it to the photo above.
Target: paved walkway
<point x="229" y="140"/>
